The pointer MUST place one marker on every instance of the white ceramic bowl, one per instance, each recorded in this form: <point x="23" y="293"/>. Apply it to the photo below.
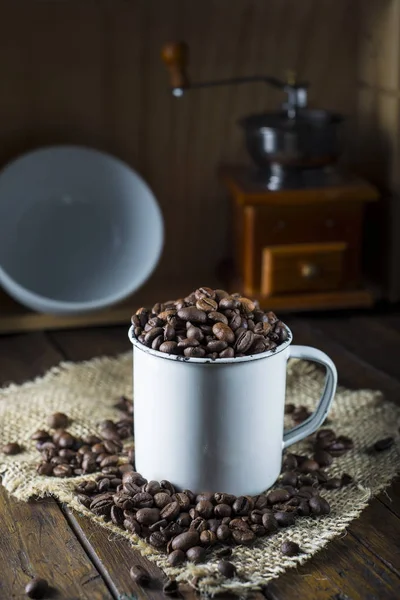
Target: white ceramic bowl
<point x="79" y="230"/>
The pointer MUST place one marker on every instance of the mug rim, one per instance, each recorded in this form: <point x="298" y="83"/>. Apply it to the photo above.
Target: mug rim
<point x="210" y="361"/>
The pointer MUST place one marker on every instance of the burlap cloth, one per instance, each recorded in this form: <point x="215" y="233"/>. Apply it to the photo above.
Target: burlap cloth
<point x="87" y="392"/>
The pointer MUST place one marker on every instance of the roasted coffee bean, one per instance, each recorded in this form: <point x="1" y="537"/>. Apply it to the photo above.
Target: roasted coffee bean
<point x="227" y="353"/>
<point x="177" y="557"/>
<point x="45" y="469"/>
<point x="308" y="466"/>
<point x="186" y="540"/>
<point x="58" y="420"/>
<point x="109" y="461"/>
<point x="147" y="516"/>
<point x="152" y="488"/>
<point x="143" y="500"/>
<point x="303" y="508"/>
<point x="156" y="343"/>
<point x="277" y="496"/>
<point x="216" y="346"/>
<point x="194" y="352"/>
<point x="188" y="343"/>
<point x="323" y="458"/>
<point x="222" y="510"/>
<point x="227" y="569"/>
<point x="162" y="499"/>
<point x="193" y="513"/>
<point x="208" y="538"/>
<point x="192" y="314"/>
<point x="136" y="478"/>
<point x="243" y="537"/>
<point x="346" y="479"/>
<point x="269" y="522"/>
<point x="158" y="525"/>
<point x="62" y="471"/>
<point x="223" y="332"/>
<point x="172" y="529"/>
<point x="37" y="588"/>
<point x="213" y="524"/>
<point x="170" y="511"/>
<point x="152" y="334"/>
<point x="12" y="448"/>
<point x="261" y="502"/>
<point x="244" y="341"/>
<point x="319" y="506"/>
<point x="170" y="587"/>
<point x="199" y="524"/>
<point x="220" y="498"/>
<point x="183" y="519"/>
<point x="98" y="448"/>
<point x="209" y="497"/>
<point x="337" y="448"/>
<point x="325" y="436"/>
<point x="333" y="483"/>
<point x="242" y="505"/>
<point x="182" y="500"/>
<point x="205" y="292"/>
<point x="40" y="435"/>
<point x="346" y="441"/>
<point x="130" y="524"/>
<point x="196" y="554"/>
<point x="117" y="515"/>
<point x="139" y="575"/>
<point x="169" y="348"/>
<point x="205" y="508"/>
<point x="158" y="539"/>
<point x="206" y="304"/>
<point x="285" y="519"/>
<point x="66" y="440"/>
<point x="289" y="478"/>
<point x="300" y="414"/>
<point x="289" y="463"/>
<point x="290" y="548"/>
<point x="239" y="523"/>
<point x="169" y="332"/>
<point x="195" y="333"/>
<point x="86" y="487"/>
<point x="383" y="444"/>
<point x="223" y="533"/>
<point x="84" y="500"/>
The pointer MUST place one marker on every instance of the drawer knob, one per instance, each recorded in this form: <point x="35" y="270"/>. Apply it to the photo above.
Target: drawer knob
<point x="309" y="270"/>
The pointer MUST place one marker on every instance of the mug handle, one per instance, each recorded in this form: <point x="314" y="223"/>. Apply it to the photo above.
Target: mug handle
<point x="308" y="426"/>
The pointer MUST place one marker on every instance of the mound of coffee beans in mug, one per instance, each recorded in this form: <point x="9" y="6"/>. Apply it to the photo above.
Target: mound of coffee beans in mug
<point x="209" y="324"/>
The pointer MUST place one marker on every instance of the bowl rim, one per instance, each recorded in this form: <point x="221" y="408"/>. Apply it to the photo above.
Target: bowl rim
<point x="29" y="298"/>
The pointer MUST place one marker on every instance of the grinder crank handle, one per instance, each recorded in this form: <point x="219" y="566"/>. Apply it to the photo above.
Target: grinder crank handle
<point x="175" y="56"/>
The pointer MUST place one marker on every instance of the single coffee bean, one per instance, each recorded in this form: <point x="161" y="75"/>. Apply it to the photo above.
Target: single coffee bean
<point x="223" y="533"/>
<point x="269" y="522"/>
<point x="12" y="448"/>
<point x="40" y="435"/>
<point x="289" y="462"/>
<point x="323" y="458"/>
<point x="227" y="353"/>
<point x="152" y="334"/>
<point x="195" y="333"/>
<point x="86" y="487"/>
<point x="223" y="332"/>
<point x="182" y="500"/>
<point x="346" y="441"/>
<point x="319" y="506"/>
<point x="290" y="548"/>
<point x="244" y="341"/>
<point x="169" y="348"/>
<point x="170" y="587"/>
<point x="216" y="346"/>
<point x="117" y="515"/>
<point x="221" y="498"/>
<point x="222" y="510"/>
<point x="308" y="466"/>
<point x="66" y="440"/>
<point x="186" y="540"/>
<point x="45" y="469"/>
<point x="37" y="588"/>
<point x="285" y="519"/>
<point x="177" y="557"/>
<point x="170" y="511"/>
<point x="205" y="508"/>
<point x="188" y="343"/>
<point x="192" y="314"/>
<point x="194" y="352"/>
<point x="206" y="304"/>
<point x="196" y="554"/>
<point x="346" y="479"/>
<point x="156" y="343"/>
<point x="243" y="537"/>
<point x="333" y="483"/>
<point x="208" y="538"/>
<point x="227" y="569"/>
<point x="289" y="478"/>
<point x="152" y="488"/>
<point x="337" y="448"/>
<point x="62" y="471"/>
<point x="172" y="530"/>
<point x="162" y="499"/>
<point x="183" y="519"/>
<point x="139" y="575"/>
<point x="326" y="434"/>
<point x="383" y="444"/>
<point x="278" y="496"/>
<point x="158" y="525"/>
<point x="147" y="516"/>
<point x="130" y="524"/>
<point x="303" y="509"/>
<point x="242" y="505"/>
<point x="261" y="502"/>
<point x="158" y="539"/>
<point x="58" y="420"/>
<point x="143" y="500"/>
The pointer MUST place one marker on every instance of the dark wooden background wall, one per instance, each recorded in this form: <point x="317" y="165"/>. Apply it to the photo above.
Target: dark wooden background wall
<point x="88" y="72"/>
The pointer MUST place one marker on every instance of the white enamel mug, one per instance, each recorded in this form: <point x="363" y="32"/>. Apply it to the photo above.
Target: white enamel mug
<point x="218" y="425"/>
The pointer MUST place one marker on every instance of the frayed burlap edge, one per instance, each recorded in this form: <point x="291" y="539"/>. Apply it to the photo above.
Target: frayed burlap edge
<point x="87" y="392"/>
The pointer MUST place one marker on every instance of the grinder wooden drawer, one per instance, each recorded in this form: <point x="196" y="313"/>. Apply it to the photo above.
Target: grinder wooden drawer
<point x="302" y="268"/>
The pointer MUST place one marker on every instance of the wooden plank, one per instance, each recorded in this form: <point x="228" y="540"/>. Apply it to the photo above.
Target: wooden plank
<point x="366" y="336"/>
<point x="87" y="343"/>
<point x="391" y="498"/>
<point x="354" y="372"/>
<point x="34" y="536"/>
<point x="35" y="540"/>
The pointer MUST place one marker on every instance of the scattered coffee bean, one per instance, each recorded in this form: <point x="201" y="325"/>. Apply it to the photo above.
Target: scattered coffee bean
<point x="37" y="588"/>
<point x="139" y="575"/>
<point x="12" y="448"/>
<point x="383" y="444"/>
<point x="227" y="569"/>
<point x="58" y="421"/>
<point x="333" y="483"/>
<point x="224" y="552"/>
<point x="346" y="479"/>
<point x="285" y="519"/>
<point x="177" y="557"/>
<point x="290" y="548"/>
<point x="196" y="554"/>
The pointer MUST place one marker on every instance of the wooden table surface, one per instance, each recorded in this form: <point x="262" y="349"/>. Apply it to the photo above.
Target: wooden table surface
<point x="82" y="562"/>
